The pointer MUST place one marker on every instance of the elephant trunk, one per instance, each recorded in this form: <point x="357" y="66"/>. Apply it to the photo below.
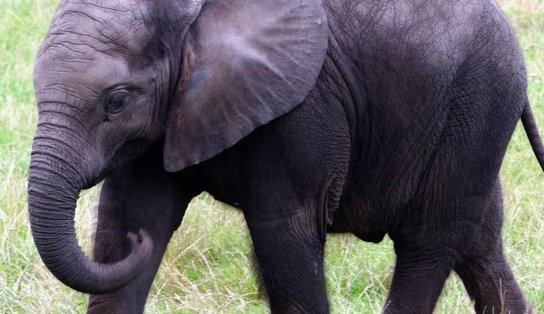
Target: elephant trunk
<point x="53" y="190"/>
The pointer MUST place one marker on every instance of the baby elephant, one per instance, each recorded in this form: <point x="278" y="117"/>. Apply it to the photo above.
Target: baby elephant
<point x="312" y="116"/>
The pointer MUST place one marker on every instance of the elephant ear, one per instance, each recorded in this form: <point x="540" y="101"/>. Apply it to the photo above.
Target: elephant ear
<point x="246" y="62"/>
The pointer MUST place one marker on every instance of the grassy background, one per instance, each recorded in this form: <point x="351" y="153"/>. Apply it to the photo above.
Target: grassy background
<point x="207" y="268"/>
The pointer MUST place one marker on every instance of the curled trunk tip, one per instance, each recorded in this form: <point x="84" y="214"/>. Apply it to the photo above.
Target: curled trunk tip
<point x="51" y="203"/>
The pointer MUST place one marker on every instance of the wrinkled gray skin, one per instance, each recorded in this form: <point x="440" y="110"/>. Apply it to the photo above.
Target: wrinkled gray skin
<point x="367" y="117"/>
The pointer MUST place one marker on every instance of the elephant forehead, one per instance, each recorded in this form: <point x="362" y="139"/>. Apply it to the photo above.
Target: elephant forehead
<point x="103" y="26"/>
<point x="55" y="74"/>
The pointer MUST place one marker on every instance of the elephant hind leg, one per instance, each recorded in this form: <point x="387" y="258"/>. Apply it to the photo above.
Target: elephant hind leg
<point x="484" y="270"/>
<point x="420" y="275"/>
<point x="491" y="284"/>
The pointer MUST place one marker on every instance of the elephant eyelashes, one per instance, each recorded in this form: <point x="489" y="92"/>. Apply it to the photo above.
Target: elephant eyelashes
<point x="115" y="100"/>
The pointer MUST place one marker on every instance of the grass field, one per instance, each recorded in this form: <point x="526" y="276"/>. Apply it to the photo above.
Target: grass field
<point x="207" y="268"/>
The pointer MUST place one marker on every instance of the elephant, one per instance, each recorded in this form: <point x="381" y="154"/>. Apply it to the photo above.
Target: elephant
<point x="312" y="117"/>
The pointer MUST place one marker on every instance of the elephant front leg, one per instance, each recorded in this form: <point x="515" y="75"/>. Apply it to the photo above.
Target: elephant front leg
<point x="290" y="256"/>
<point x="138" y="196"/>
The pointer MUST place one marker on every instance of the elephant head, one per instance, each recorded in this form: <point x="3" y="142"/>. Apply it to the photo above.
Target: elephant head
<point x="114" y="77"/>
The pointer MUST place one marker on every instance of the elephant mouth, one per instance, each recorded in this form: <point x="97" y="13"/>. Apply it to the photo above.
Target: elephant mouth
<point x="123" y="153"/>
<point x="115" y="160"/>
<point x="92" y="183"/>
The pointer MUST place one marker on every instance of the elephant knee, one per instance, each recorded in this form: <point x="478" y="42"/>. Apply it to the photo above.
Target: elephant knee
<point x="104" y="303"/>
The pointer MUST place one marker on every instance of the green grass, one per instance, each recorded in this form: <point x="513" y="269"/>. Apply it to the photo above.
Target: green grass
<point x="207" y="267"/>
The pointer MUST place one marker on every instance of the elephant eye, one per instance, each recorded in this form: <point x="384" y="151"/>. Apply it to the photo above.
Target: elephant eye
<point x="115" y="101"/>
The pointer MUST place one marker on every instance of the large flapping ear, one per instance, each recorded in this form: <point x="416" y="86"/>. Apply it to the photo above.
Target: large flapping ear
<point x="246" y="62"/>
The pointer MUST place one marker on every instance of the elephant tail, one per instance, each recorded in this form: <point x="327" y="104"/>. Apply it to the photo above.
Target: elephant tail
<point x="529" y="124"/>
